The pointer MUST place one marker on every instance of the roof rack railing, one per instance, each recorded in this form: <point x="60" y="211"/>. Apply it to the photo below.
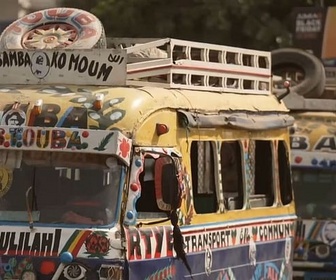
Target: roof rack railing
<point x="125" y="42"/>
<point x="184" y="64"/>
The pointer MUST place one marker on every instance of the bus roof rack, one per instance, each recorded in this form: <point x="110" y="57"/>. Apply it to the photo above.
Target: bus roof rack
<point x="184" y="64"/>
<point x="167" y="62"/>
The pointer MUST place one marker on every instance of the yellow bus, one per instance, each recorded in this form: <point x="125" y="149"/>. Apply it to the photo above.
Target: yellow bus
<point x="313" y="160"/>
<point x="313" y="169"/>
<point x="164" y="159"/>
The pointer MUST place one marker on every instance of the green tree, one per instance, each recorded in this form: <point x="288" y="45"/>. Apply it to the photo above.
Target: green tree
<point x="260" y="24"/>
<point x="87" y="5"/>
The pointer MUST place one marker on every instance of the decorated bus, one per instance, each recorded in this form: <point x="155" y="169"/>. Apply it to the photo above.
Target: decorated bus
<point x="313" y="145"/>
<point x="139" y="159"/>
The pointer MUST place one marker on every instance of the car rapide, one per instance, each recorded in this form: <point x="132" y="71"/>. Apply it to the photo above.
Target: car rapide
<point x="150" y="159"/>
<point x="313" y="160"/>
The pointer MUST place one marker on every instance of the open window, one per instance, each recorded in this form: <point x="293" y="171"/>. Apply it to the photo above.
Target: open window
<point x="203" y="176"/>
<point x="231" y="174"/>
<point x="286" y="190"/>
<point x="263" y="192"/>
<point x="160" y="192"/>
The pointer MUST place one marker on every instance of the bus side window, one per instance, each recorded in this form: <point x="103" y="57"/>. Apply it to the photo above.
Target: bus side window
<point x="203" y="176"/>
<point x="231" y="173"/>
<point x="147" y="199"/>
<point x="286" y="191"/>
<point x="263" y="192"/>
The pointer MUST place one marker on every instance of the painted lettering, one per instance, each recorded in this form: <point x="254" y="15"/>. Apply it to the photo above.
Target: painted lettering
<point x="213" y="239"/>
<point x="43" y="137"/>
<point x="115" y="58"/>
<point x="48" y="116"/>
<point x="134" y="239"/>
<point x="299" y="142"/>
<point x="229" y="237"/>
<point x="15" y="58"/>
<point x="148" y="246"/>
<point x="46" y="243"/>
<point x="58" y="139"/>
<point x="244" y="236"/>
<point x="19" y="137"/>
<point x="158" y="238"/>
<point x="82" y="64"/>
<point x="60" y="60"/>
<point x="326" y="143"/>
<point x="149" y="243"/>
<point x="29" y="243"/>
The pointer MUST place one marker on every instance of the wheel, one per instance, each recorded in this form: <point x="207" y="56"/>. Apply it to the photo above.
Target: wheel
<point x="305" y="71"/>
<point x="55" y="28"/>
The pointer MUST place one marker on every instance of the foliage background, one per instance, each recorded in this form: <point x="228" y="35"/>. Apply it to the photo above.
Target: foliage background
<point x="259" y="24"/>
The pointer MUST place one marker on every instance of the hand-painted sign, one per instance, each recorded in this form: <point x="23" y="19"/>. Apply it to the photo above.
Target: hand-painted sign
<point x="30" y="243"/>
<point x="324" y="143"/>
<point x="150" y="243"/>
<point x="84" y="67"/>
<point x="313" y="141"/>
<point x="225" y="237"/>
<point x="62" y="139"/>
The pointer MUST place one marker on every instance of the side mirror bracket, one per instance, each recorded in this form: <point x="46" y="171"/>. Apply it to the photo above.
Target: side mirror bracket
<point x="284" y="94"/>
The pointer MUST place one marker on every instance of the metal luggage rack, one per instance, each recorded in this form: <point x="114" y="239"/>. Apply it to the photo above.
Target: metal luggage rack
<point x="167" y="62"/>
<point x="174" y="63"/>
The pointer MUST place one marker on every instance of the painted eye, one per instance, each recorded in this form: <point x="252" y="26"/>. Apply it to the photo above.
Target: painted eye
<point x="74" y="272"/>
<point x="117" y="115"/>
<point x="322" y="251"/>
<point x="116" y="101"/>
<point x="94" y="116"/>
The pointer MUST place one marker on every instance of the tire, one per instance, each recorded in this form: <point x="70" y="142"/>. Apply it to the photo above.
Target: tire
<point x="56" y="28"/>
<point x="313" y="83"/>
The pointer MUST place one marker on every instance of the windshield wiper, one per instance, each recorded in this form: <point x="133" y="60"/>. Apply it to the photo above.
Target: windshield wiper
<point x="30" y="216"/>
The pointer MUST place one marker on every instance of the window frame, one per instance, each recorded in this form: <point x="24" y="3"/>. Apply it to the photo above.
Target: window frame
<point x="289" y="173"/>
<point x="197" y="197"/>
<point x="261" y="200"/>
<point x="240" y="199"/>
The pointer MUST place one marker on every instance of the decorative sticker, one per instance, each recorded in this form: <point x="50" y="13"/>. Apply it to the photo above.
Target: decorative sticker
<point x="14" y="117"/>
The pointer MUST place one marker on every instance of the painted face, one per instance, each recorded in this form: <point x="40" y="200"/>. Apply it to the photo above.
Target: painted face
<point x="14" y="117"/>
<point x="13" y="120"/>
<point x="330" y="232"/>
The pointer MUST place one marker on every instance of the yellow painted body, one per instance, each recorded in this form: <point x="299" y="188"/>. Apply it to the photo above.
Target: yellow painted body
<point x="146" y="106"/>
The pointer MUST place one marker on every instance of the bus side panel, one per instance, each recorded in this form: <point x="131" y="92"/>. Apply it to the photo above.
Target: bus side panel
<point x="257" y="250"/>
<point x="228" y="263"/>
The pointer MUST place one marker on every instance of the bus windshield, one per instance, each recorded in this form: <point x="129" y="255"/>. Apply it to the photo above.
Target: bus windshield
<point x="315" y="191"/>
<point x="59" y="187"/>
